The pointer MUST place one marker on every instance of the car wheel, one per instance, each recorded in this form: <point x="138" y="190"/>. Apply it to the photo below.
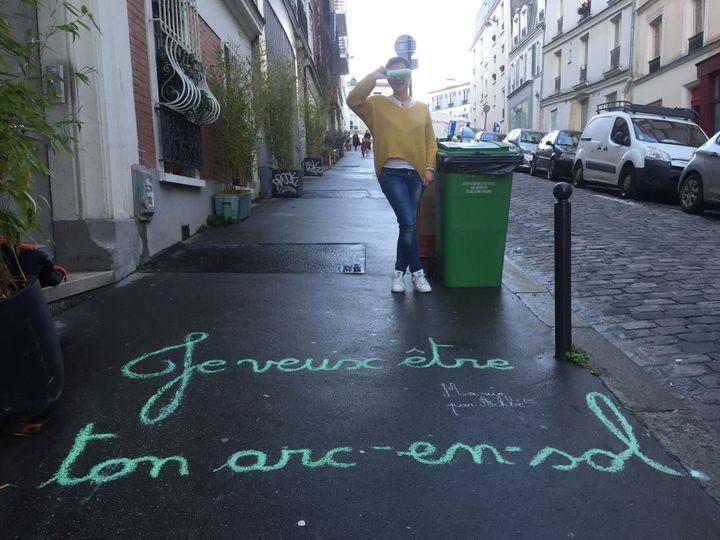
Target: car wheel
<point x="578" y="181"/>
<point x="533" y="167"/>
<point x="626" y="184"/>
<point x="691" y="195"/>
<point x="551" y="172"/>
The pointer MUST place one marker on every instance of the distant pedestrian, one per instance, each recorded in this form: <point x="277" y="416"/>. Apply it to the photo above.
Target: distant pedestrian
<point x="368" y="137"/>
<point x="356" y="141"/>
<point x="365" y="146"/>
<point x="405" y="153"/>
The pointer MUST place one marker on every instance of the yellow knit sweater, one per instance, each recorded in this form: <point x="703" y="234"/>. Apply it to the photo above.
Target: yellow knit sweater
<point x="397" y="132"/>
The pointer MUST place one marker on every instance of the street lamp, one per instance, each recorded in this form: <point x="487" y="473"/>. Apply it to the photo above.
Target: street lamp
<point x="491" y="19"/>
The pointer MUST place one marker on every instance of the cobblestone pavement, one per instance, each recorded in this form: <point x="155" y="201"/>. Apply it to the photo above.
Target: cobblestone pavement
<point x="645" y="275"/>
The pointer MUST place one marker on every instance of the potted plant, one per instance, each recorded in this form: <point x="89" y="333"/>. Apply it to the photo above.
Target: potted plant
<point x="31" y="365"/>
<point x="584" y="9"/>
<point x="237" y="132"/>
<point x="315" y="119"/>
<point x="278" y="106"/>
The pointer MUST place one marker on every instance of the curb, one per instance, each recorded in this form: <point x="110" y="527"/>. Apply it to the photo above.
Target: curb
<point x="667" y="417"/>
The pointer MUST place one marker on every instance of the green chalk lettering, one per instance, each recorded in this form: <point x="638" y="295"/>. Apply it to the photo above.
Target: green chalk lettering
<point x="127" y="465"/>
<point x="328" y="460"/>
<point x="420" y="452"/>
<point x="110" y="469"/>
<point x="417" y="361"/>
<point x="255" y="365"/>
<point x="63" y="476"/>
<point x="285" y="363"/>
<point x="205" y="366"/>
<point x="232" y="462"/>
<point x="311" y="364"/>
<point x="367" y="363"/>
<point x="260" y="460"/>
<point x="354" y="364"/>
<point x="148" y="415"/>
<point x="169" y="396"/>
<point x="498" y="363"/>
<point x="623" y="432"/>
<point x="546" y="452"/>
<point x="323" y="366"/>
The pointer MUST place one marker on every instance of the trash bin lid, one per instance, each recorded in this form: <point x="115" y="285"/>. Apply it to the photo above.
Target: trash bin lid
<point x="473" y="148"/>
<point x="477" y="157"/>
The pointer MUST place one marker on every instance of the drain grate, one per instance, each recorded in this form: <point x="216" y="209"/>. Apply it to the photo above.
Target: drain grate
<point x="287" y="258"/>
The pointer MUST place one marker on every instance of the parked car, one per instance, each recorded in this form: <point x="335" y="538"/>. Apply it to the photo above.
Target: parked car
<point x="464" y="134"/>
<point x="555" y="154"/>
<point x="488" y="136"/>
<point x="636" y="148"/>
<point x="699" y="184"/>
<point x="526" y="141"/>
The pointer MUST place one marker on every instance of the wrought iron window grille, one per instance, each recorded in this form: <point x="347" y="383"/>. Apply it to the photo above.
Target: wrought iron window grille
<point x="182" y="83"/>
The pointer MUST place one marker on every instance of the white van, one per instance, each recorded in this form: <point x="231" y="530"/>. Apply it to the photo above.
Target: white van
<point x="636" y="148"/>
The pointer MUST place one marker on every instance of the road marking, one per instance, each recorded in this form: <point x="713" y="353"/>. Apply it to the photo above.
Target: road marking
<point x="617" y="200"/>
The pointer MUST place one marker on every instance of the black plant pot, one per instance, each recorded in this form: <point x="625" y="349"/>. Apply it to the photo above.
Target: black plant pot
<point x="287" y="183"/>
<point x="31" y="364"/>
<point x="312" y="166"/>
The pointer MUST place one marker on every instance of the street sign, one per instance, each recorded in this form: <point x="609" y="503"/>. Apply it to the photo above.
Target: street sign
<point x="405" y="46"/>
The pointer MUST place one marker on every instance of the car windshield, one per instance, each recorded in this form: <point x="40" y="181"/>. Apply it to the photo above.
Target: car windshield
<point x="668" y="132"/>
<point x="531" y="136"/>
<point x="568" y="139"/>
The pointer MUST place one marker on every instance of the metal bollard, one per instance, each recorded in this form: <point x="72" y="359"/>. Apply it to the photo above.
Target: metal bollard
<point x="563" y="313"/>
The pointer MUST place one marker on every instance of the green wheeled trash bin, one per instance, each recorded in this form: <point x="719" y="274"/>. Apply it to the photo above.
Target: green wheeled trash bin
<point x="473" y="202"/>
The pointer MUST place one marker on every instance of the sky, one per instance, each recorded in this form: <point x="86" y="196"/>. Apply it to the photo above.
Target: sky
<point x="443" y="31"/>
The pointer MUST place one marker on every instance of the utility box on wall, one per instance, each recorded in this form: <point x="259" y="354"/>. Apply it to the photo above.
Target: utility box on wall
<point x="143" y="192"/>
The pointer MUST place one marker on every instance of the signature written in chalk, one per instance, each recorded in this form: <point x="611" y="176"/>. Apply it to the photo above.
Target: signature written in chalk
<point x="464" y="400"/>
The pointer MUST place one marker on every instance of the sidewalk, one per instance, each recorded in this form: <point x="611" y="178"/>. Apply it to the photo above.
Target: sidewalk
<point x="260" y="381"/>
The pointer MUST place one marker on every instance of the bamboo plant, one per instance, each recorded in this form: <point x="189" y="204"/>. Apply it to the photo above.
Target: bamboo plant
<point x="278" y="98"/>
<point x="233" y="84"/>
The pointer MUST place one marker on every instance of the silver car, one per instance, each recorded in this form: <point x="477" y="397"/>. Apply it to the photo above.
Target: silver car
<point x="699" y="184"/>
<point x="526" y="141"/>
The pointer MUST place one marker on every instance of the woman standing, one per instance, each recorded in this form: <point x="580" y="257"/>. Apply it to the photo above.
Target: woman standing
<point x="405" y="152"/>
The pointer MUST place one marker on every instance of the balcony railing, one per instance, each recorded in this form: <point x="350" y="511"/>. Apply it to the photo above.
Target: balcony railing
<point x="654" y="65"/>
<point x="583" y="74"/>
<point x="695" y="42"/>
<point x="559" y="23"/>
<point x="615" y="58"/>
<point x="557" y="84"/>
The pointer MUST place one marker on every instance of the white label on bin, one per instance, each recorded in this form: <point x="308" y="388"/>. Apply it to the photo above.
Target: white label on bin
<point x="479" y="187"/>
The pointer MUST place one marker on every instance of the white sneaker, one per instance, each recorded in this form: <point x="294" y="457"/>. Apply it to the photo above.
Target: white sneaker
<point x="420" y="282"/>
<point x="398" y="285"/>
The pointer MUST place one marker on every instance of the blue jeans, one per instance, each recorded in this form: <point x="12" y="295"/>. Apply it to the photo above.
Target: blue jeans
<point x="403" y="189"/>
